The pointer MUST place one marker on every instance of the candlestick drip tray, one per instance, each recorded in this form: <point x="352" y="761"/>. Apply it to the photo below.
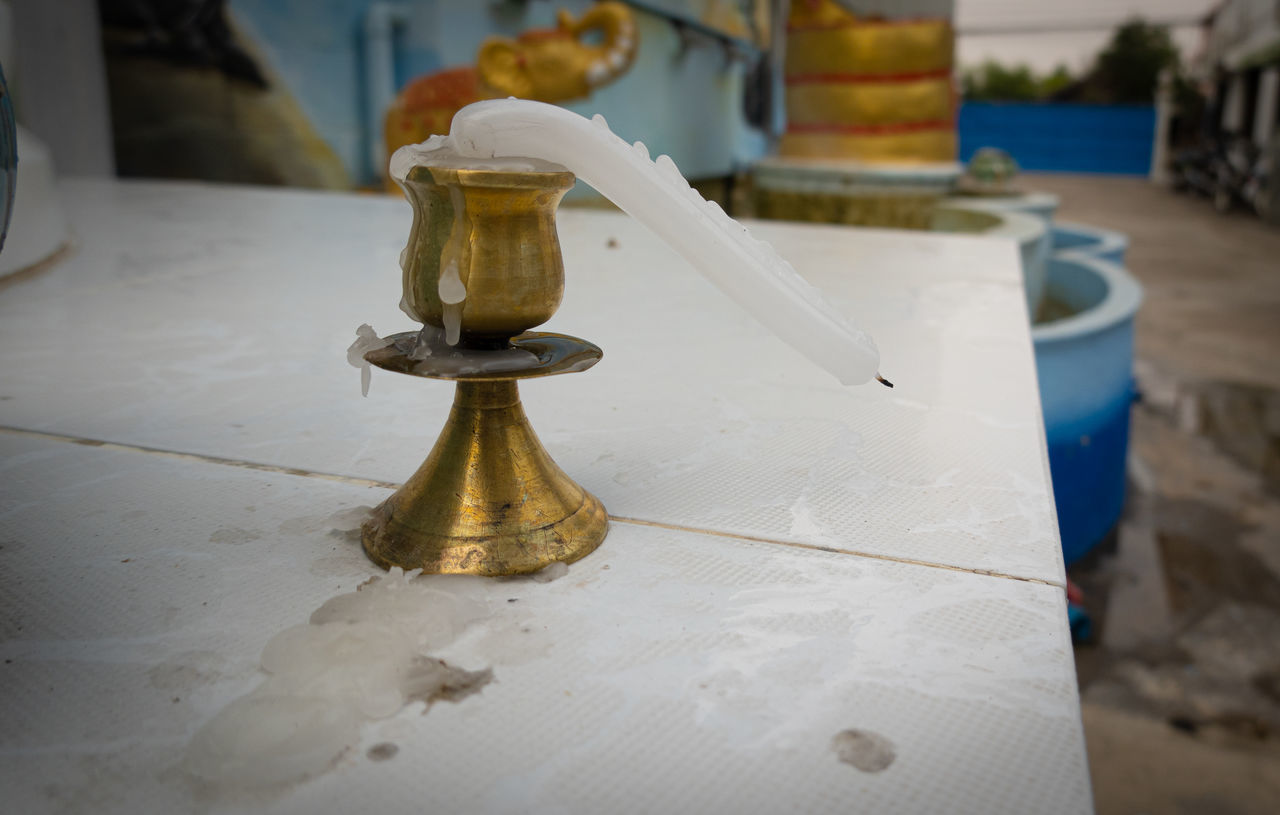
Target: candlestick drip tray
<point x="531" y="354"/>
<point x="488" y="500"/>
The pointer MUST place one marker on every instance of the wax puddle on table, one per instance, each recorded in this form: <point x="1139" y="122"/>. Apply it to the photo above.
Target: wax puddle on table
<point x="362" y="657"/>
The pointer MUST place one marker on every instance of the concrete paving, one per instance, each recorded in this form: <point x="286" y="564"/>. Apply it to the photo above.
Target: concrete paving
<point x="1182" y="686"/>
<point x="1142" y="766"/>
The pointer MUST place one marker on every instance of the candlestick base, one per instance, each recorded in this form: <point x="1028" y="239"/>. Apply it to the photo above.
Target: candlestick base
<point x="488" y="500"/>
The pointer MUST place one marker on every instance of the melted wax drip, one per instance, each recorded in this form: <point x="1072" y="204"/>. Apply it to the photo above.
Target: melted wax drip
<point x="452" y="291"/>
<point x="366" y="340"/>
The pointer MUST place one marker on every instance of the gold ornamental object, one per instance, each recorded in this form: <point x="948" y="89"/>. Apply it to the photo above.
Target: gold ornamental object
<point x="866" y="88"/>
<point x="483" y="266"/>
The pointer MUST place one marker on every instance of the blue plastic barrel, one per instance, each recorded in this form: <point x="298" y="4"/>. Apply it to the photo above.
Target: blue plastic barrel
<point x="1089" y="240"/>
<point x="1085" y="366"/>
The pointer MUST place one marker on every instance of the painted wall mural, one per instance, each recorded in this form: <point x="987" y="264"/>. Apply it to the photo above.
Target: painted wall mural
<point x="301" y="92"/>
<point x="547" y="65"/>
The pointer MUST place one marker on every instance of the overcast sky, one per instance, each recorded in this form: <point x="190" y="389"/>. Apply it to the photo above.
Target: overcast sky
<point x="1083" y="27"/>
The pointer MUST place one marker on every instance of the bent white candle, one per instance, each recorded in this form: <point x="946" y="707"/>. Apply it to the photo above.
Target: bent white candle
<point x="518" y="134"/>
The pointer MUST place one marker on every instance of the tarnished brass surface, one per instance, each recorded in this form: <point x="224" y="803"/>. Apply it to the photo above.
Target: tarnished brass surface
<point x="545" y="354"/>
<point x="488" y="500"/>
<point x="499" y="228"/>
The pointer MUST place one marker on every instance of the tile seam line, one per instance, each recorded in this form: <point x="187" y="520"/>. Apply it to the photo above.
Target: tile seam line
<point x="202" y="457"/>
<point x="370" y="482"/>
<point x="834" y="551"/>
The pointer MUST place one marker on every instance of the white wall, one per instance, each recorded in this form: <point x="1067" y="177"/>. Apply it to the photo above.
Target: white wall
<point x="59" y="82"/>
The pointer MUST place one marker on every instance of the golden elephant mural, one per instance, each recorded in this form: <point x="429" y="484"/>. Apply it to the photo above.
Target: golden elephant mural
<point x="548" y="65"/>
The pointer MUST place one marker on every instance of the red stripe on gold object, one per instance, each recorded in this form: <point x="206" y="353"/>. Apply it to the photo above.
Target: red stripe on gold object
<point x="870" y="103"/>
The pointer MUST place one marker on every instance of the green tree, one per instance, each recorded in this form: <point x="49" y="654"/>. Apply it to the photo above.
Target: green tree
<point x="992" y="81"/>
<point x="1127" y="69"/>
<point x="1051" y="83"/>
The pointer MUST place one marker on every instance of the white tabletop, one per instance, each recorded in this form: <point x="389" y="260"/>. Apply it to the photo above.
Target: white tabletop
<point x="788" y="558"/>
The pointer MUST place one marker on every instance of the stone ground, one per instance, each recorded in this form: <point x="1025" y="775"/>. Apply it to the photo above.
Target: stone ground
<point x="1181" y="685"/>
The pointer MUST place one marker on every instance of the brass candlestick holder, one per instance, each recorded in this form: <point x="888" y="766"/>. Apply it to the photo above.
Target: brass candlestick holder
<point x="488" y="500"/>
